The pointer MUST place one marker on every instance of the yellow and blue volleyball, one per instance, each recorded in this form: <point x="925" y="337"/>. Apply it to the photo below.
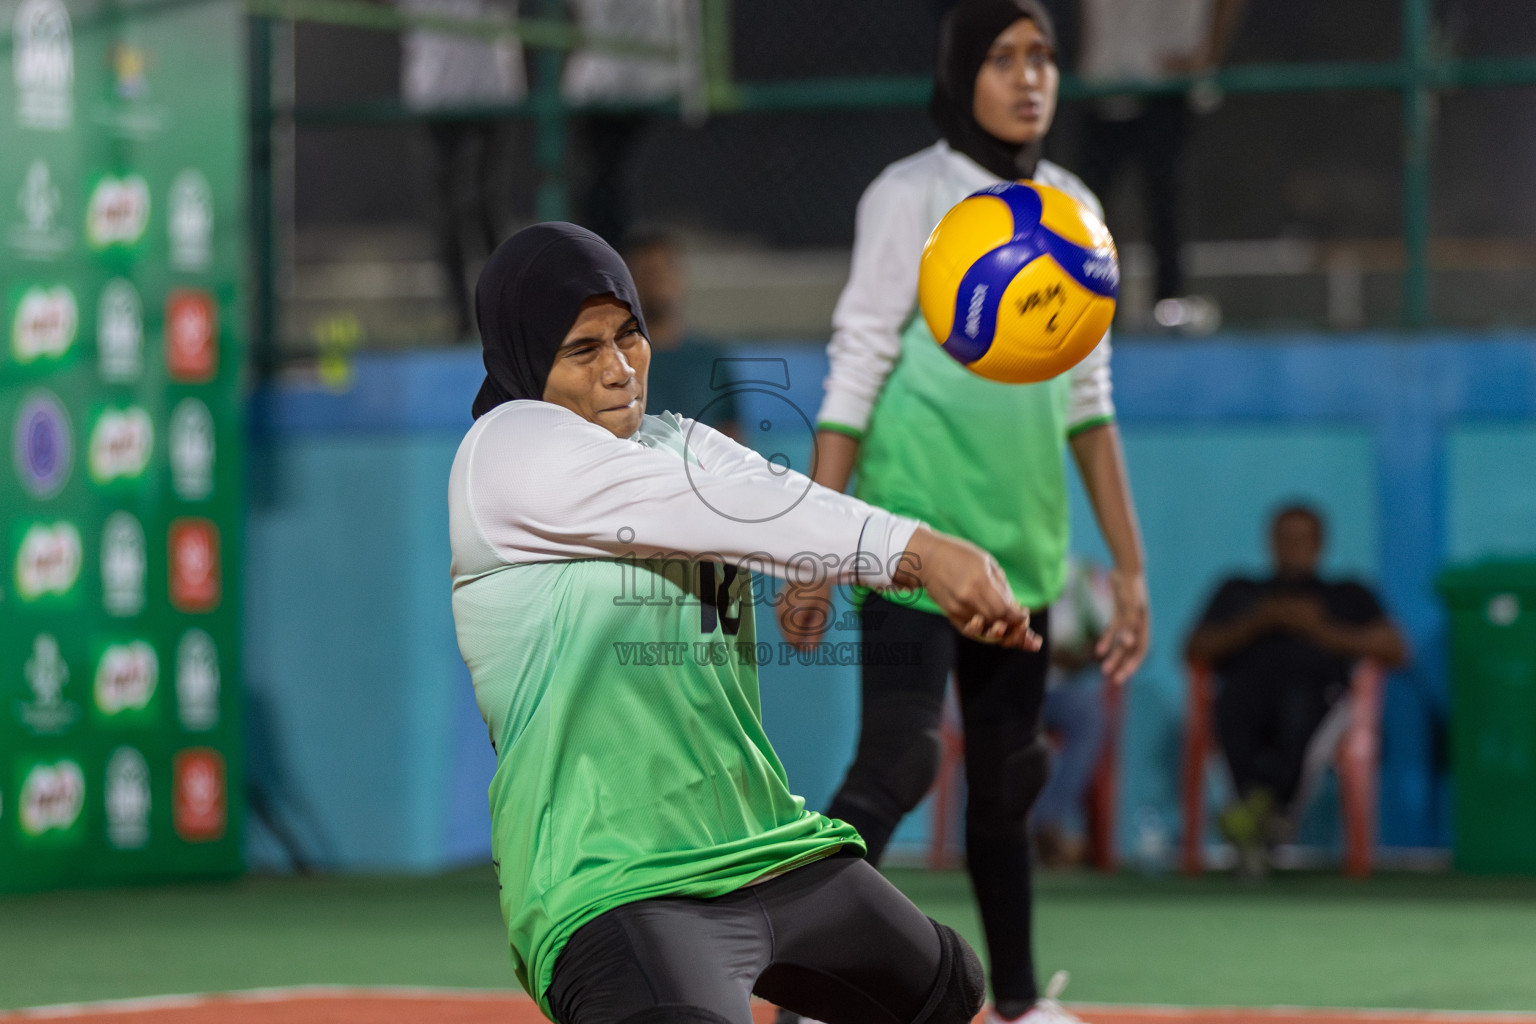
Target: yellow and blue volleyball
<point x="1018" y="282"/>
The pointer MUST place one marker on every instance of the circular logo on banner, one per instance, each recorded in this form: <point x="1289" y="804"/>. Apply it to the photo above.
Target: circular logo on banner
<point x="127" y="799"/>
<point x="197" y="680"/>
<point x="191" y="335"/>
<point x="120" y="331"/>
<point x="192" y="450"/>
<point x="194" y="564"/>
<point x="191" y="220"/>
<point x="42" y="445"/>
<point x="123" y="564"/>
<point x="199" y="804"/>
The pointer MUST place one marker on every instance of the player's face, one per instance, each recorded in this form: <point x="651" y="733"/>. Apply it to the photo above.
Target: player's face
<point x="1015" y="95"/>
<point x="1298" y="543"/>
<point x="600" y="368"/>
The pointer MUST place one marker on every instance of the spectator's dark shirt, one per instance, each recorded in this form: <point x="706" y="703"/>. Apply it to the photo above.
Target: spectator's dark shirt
<point x="1281" y="657"/>
<point x="683" y="380"/>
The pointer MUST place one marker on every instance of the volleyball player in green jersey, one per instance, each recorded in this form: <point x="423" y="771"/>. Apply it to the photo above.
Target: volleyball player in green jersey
<point x="975" y="458"/>
<point x="654" y="864"/>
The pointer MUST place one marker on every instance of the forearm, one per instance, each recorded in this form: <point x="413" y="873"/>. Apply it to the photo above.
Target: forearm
<point x="1380" y="641"/>
<point x="1101" y="464"/>
<point x="1211" y="643"/>
<point x="836" y="455"/>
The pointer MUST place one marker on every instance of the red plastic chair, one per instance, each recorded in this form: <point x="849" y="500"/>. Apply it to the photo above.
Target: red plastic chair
<point x="1355" y="756"/>
<point x="944" y="816"/>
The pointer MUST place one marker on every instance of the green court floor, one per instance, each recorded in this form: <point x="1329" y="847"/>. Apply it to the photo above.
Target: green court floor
<point x="1430" y="942"/>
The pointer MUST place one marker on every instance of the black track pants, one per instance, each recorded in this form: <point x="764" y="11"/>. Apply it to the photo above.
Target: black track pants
<point x="1001" y="691"/>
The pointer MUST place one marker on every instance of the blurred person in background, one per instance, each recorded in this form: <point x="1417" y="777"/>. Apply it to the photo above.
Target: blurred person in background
<point x="604" y="77"/>
<point x="1074" y="712"/>
<point x="1147" y="41"/>
<point x="654" y="866"/>
<point x="688" y="375"/>
<point x="1282" y="649"/>
<point x="979" y="459"/>
<point x="448" y="74"/>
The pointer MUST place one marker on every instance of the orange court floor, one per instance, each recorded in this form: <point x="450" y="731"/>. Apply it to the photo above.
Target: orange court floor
<point x="339" y="1005"/>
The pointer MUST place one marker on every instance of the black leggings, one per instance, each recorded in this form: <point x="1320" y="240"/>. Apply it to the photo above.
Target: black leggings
<point x="832" y="940"/>
<point x="1156" y="140"/>
<point x="464" y="208"/>
<point x="1264" y="730"/>
<point x="1006" y="763"/>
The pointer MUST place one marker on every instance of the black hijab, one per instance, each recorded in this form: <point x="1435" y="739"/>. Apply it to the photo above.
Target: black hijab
<point x="528" y="297"/>
<point x="965" y="36"/>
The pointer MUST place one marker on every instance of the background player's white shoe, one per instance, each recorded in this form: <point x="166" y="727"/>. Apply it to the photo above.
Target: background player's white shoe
<point x="1046" y="1009"/>
<point x="791" y="1017"/>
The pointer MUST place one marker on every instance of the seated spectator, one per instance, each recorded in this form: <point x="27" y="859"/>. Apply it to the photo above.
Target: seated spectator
<point x="687" y="380"/>
<point x="1282" y="649"/>
<point x="1073" y="713"/>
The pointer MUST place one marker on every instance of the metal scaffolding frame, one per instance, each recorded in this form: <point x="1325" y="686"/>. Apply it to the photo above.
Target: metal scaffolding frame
<point x="1417" y="76"/>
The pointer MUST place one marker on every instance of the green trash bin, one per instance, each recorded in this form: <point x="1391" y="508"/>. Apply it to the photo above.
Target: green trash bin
<point x="1493" y="713"/>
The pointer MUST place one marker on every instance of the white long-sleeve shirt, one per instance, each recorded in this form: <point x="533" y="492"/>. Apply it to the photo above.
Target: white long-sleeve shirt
<point x="896" y="214"/>
<point x="535" y="482"/>
<point x="598" y="76"/>
<point x="441" y="70"/>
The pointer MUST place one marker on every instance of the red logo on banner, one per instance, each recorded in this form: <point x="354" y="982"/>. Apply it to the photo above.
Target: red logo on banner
<point x="200" y="804"/>
<point x="194" y="551"/>
<point x="191" y="336"/>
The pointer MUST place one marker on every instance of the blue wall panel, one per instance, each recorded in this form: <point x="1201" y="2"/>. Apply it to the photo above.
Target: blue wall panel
<point x="347" y="616"/>
<point x="1491" y="491"/>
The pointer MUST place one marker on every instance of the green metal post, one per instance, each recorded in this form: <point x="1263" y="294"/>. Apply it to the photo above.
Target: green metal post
<point x="1418" y="136"/>
<point x="719" y="87"/>
<point x="550" y="124"/>
<point x="263" y="248"/>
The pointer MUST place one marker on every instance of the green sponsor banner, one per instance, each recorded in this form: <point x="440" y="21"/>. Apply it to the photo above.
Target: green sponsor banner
<point x="122" y="321"/>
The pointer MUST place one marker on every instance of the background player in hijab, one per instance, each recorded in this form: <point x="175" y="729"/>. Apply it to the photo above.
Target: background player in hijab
<point x="654" y="865"/>
<point x="975" y="458"/>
